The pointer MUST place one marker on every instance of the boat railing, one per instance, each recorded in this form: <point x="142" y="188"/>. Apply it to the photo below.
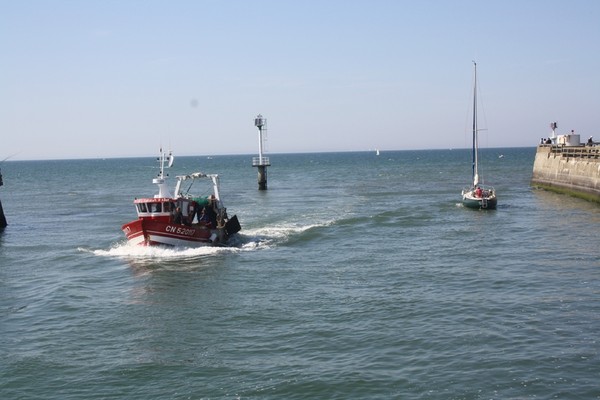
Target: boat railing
<point x="583" y="152"/>
<point x="260" y="161"/>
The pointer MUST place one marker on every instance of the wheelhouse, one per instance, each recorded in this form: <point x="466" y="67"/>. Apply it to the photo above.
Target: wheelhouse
<point x="163" y="209"/>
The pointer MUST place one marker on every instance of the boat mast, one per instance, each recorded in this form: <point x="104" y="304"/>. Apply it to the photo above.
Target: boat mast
<point x="160" y="180"/>
<point x="475" y="141"/>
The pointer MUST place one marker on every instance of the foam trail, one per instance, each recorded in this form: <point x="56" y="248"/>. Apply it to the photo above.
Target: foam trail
<point x="270" y="236"/>
<point x="126" y="250"/>
<point x="249" y="240"/>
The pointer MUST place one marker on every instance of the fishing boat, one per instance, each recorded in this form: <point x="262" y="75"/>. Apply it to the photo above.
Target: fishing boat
<point x="477" y="195"/>
<point x="181" y="219"/>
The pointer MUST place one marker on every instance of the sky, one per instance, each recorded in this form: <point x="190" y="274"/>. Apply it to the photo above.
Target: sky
<point x="121" y="78"/>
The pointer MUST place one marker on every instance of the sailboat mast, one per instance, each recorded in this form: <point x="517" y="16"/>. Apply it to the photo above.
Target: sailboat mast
<point x="475" y="144"/>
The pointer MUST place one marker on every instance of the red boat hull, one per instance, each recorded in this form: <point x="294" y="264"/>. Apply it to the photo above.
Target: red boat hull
<point x="146" y="232"/>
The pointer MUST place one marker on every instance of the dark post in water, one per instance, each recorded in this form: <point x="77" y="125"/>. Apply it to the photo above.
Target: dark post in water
<point x="3" y="223"/>
<point x="261" y="162"/>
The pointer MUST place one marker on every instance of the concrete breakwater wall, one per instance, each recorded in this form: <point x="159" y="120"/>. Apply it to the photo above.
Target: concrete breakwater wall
<point x="574" y="170"/>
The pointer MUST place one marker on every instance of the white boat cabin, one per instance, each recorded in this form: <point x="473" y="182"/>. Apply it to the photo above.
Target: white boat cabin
<point x="164" y="209"/>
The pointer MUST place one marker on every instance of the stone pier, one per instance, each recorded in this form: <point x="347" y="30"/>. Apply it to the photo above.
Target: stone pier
<point x="574" y="170"/>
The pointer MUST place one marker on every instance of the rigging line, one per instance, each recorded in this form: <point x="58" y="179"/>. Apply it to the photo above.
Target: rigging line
<point x="189" y="187"/>
<point x="9" y="157"/>
<point x="481" y="112"/>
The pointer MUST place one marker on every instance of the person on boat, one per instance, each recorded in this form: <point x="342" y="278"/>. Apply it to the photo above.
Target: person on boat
<point x="177" y="216"/>
<point x="204" y="218"/>
<point x="212" y="215"/>
<point x="191" y="214"/>
<point x="478" y="192"/>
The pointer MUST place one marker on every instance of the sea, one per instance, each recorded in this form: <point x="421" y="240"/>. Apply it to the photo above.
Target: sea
<point x="355" y="276"/>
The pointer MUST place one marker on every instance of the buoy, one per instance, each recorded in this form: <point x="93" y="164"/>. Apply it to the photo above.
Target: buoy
<point x="261" y="162"/>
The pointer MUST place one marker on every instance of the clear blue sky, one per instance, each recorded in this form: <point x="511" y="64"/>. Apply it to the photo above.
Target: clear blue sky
<point x="113" y="78"/>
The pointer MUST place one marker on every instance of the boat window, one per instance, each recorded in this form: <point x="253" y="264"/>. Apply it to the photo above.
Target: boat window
<point x="142" y="207"/>
<point x="167" y="207"/>
<point x="155" y="207"/>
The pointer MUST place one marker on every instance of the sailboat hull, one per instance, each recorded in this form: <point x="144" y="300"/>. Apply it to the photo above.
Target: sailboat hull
<point x="486" y="201"/>
<point x="483" y="204"/>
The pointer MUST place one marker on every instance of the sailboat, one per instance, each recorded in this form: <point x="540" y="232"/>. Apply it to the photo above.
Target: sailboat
<point x="478" y="195"/>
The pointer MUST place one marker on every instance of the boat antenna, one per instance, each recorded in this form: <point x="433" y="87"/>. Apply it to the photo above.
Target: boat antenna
<point x="160" y="180"/>
<point x="165" y="159"/>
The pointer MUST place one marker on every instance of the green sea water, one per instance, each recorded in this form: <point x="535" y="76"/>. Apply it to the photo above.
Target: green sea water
<point x="355" y="276"/>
